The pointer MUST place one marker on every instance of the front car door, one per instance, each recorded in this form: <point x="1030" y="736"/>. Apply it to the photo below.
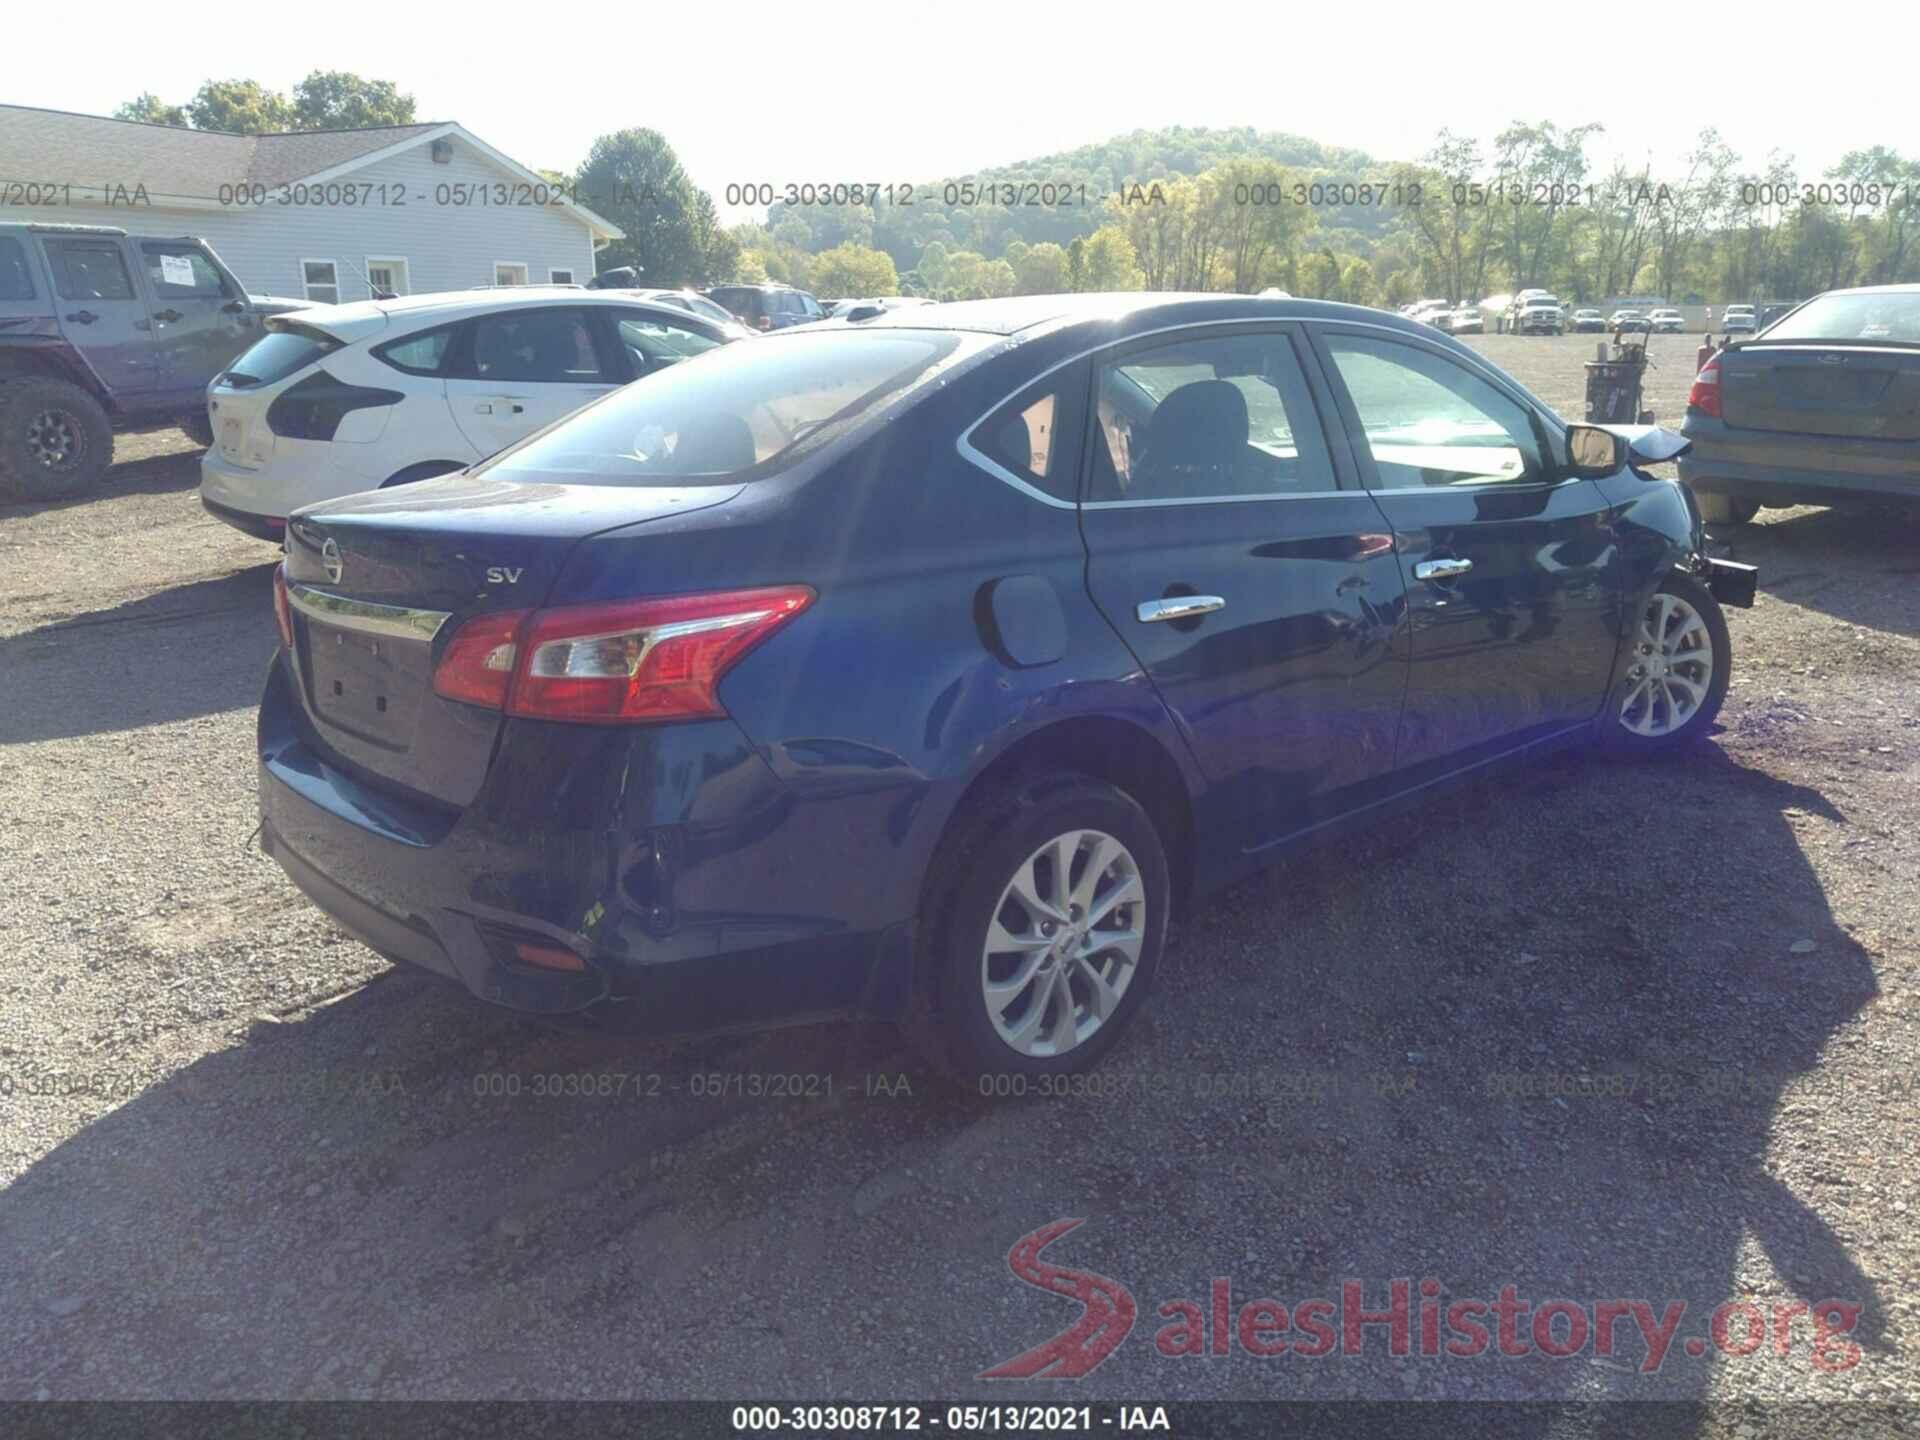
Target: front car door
<point x="520" y="369"/>
<point x="1254" y="580"/>
<point x="650" y="342"/>
<point x="1512" y="574"/>
<point x="103" y="314"/>
<point x="199" y="323"/>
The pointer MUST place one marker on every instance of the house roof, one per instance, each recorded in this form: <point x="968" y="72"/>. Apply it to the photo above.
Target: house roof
<point x="189" y="167"/>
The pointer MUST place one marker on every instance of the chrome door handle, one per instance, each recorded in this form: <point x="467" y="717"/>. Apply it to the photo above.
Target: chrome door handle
<point x="1441" y="569"/>
<point x="1178" y="607"/>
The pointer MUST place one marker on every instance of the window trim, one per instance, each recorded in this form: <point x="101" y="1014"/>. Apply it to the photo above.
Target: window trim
<point x="406" y="272"/>
<point x="526" y="274"/>
<point x="1544" y="437"/>
<point x="382" y="351"/>
<point x="554" y="272"/>
<point x="306" y="286"/>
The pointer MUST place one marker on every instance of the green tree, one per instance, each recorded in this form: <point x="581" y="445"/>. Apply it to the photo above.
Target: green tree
<point x="1108" y="262"/>
<point x="855" y="270"/>
<point x="239" y="107"/>
<point x="1320" y="275"/>
<point x="150" y="109"/>
<point x="338" y="100"/>
<point x="1040" y="270"/>
<point x="1356" y="282"/>
<point x="634" y="179"/>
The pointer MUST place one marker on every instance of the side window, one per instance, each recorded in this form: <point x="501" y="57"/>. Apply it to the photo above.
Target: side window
<point x="16" y="280"/>
<point x="180" y="272"/>
<point x="551" y="346"/>
<point x="88" y="270"/>
<point x="1428" y="420"/>
<point x="422" y="354"/>
<point x="652" y="341"/>
<point x="1035" y="436"/>
<point x="1209" y="418"/>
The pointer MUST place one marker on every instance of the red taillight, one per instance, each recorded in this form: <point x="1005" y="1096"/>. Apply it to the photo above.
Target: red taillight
<point x="625" y="661"/>
<point x="1704" y="397"/>
<point x="643" y="659"/>
<point x="282" y="612"/>
<point x="477" y="667"/>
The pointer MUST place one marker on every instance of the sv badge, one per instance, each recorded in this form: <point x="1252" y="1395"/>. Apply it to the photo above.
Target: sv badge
<point x="505" y="574"/>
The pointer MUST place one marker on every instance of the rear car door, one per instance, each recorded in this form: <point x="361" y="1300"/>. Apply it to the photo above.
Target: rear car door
<point x="520" y="369"/>
<point x="102" y="313"/>
<point x="1513" y="585"/>
<point x="199" y="321"/>
<point x="1253" y="580"/>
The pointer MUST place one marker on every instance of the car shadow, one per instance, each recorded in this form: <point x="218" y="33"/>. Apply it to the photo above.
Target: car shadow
<point x="1859" y="565"/>
<point x="138" y="474"/>
<point x="128" y="665"/>
<point x="369" y="1199"/>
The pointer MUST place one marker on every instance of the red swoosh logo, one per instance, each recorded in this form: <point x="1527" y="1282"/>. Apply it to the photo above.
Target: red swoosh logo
<point x="1075" y="1351"/>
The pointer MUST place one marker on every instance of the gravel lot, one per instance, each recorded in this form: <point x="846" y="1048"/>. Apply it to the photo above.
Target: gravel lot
<point x="274" y="1167"/>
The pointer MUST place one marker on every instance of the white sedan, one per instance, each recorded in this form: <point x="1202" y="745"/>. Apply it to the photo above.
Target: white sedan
<point x="1666" y="322"/>
<point x="336" y="399"/>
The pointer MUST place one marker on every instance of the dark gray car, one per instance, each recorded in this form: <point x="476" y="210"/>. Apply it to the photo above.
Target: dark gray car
<point x="102" y="331"/>
<point x="1820" y="408"/>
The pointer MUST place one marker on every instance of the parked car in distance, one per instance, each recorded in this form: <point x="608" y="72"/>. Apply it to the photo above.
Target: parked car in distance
<point x="694" y="302"/>
<point x="841" y="309"/>
<point x="1771" y="313"/>
<point x="1820" y="408"/>
<point x="1536" y="313"/>
<point x="102" y="331"/>
<point x="922" y="666"/>
<point x="1666" y="322"/>
<point x="1628" y="320"/>
<point x="1465" y="321"/>
<point x="1739" y="320"/>
<point x="1586" y="321"/>
<point x="377" y="393"/>
<point x="767" y="307"/>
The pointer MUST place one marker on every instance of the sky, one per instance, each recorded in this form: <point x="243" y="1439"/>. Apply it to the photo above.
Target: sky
<point x="883" y="93"/>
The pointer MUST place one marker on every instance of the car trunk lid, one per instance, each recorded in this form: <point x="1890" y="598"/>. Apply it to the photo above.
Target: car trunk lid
<point x="380" y="582"/>
<point x="1860" y="391"/>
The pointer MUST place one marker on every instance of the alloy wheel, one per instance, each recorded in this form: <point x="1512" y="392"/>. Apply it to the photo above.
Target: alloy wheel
<point x="1064" y="943"/>
<point x="53" y="438"/>
<point x="1670" y="671"/>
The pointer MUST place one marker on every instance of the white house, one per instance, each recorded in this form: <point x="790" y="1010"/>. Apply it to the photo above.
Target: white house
<point x="324" y="215"/>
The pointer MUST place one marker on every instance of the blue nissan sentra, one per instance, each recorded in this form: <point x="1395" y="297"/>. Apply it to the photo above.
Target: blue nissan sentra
<point x="922" y="663"/>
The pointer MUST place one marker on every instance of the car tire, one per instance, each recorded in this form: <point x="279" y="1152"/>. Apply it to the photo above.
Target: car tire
<point x="1674" y="674"/>
<point x="1027" y="1009"/>
<point x="1718" y="509"/>
<point x="199" y="429"/>
<point x="55" y="439"/>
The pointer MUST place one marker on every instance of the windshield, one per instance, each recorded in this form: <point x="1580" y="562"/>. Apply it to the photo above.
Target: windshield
<point x="737" y="412"/>
<point x="1854" y="315"/>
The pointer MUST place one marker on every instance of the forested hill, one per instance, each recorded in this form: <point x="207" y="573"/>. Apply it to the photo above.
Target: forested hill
<point x="1059" y="196"/>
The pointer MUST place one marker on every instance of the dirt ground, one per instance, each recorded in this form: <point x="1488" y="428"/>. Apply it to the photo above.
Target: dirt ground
<point x="1594" y="1031"/>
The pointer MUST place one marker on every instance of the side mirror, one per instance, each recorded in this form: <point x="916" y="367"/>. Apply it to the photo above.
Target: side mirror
<point x="1595" y="452"/>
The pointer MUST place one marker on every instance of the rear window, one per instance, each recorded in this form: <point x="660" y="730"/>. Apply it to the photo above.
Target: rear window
<point x="277" y="355"/>
<point x="1859" y="315"/>
<point x="738" y="412"/>
<point x="16" y="281"/>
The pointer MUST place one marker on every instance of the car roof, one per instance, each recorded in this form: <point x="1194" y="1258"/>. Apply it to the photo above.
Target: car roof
<point x="359" y="318"/>
<point x="1027" y="315"/>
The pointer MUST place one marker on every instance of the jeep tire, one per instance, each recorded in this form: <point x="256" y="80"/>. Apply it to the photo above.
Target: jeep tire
<point x="55" y="440"/>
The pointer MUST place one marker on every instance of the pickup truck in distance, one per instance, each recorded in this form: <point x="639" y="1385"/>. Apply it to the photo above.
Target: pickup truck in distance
<point x="102" y="331"/>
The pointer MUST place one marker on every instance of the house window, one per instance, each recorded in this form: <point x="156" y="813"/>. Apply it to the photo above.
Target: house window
<point x="321" y="280"/>
<point x="560" y="277"/>
<point x="509" y="272"/>
<point x="388" y="274"/>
